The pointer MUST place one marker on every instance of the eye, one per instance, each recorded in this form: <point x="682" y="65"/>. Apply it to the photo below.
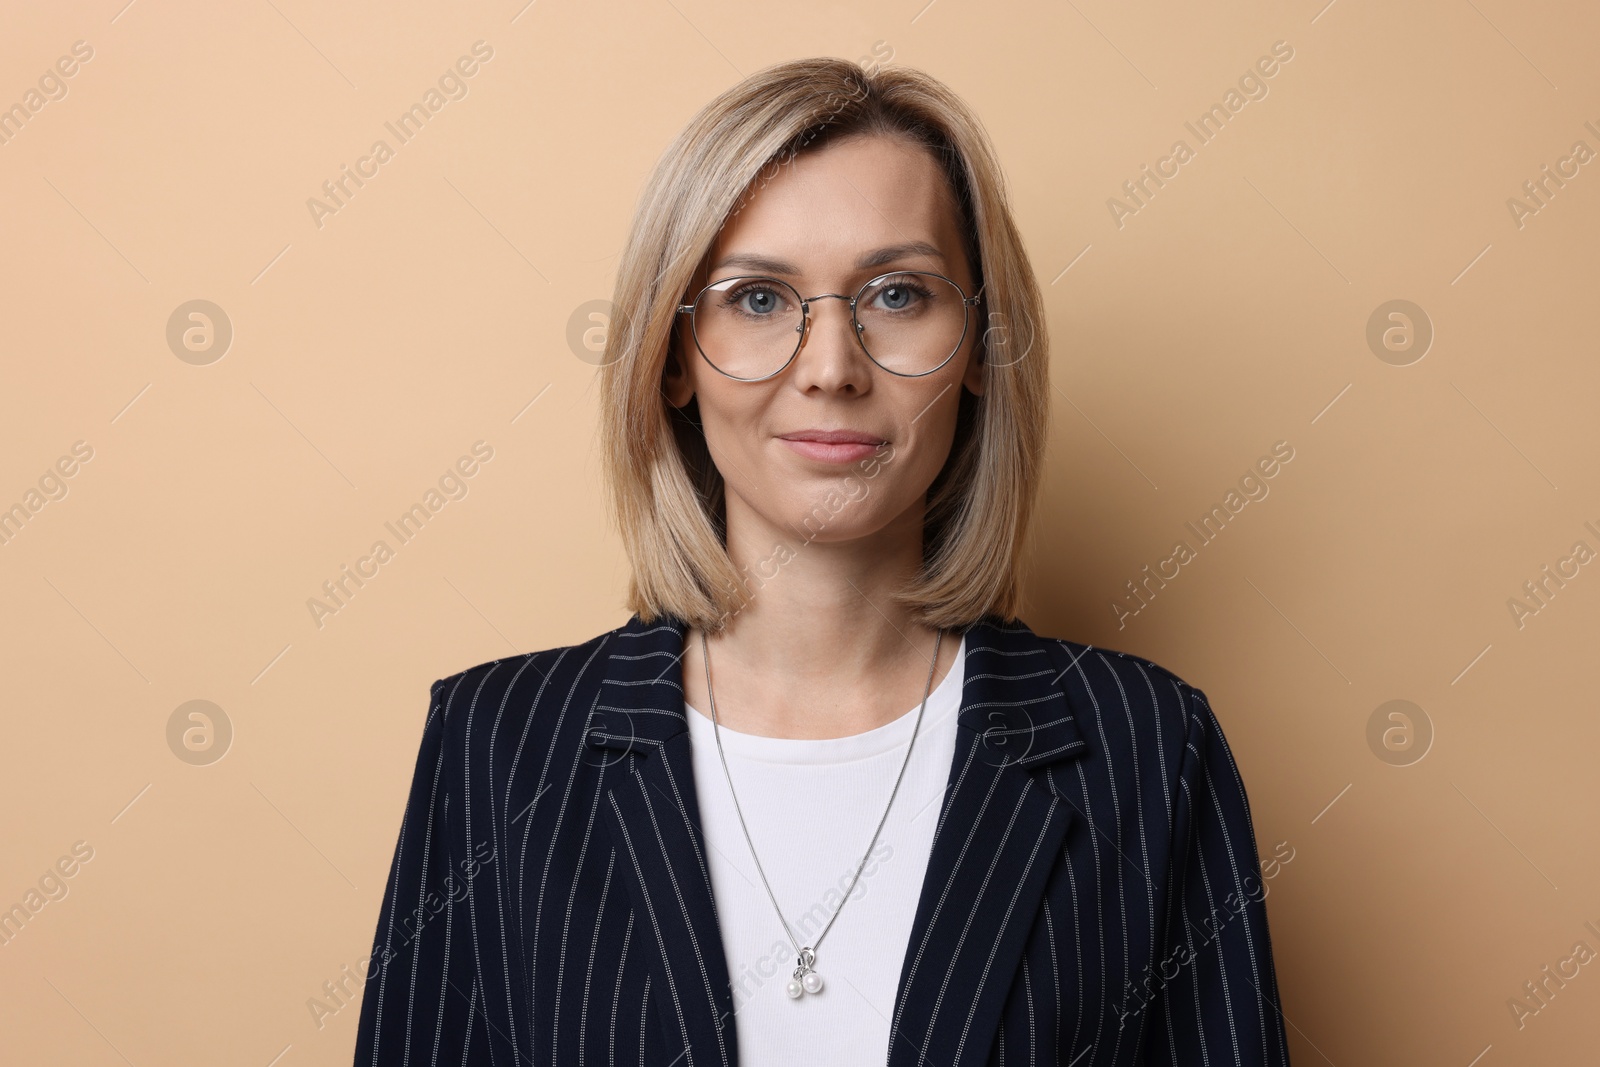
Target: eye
<point x="898" y="294"/>
<point x="756" y="299"/>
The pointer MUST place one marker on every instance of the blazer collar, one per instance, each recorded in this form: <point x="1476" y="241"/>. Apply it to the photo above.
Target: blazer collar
<point x="1012" y="695"/>
<point x="1002" y="821"/>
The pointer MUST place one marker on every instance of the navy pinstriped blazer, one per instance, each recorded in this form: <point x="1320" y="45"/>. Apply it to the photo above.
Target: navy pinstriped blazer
<point x="1093" y="896"/>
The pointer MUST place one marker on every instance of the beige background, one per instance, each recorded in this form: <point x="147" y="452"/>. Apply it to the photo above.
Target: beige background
<point x="368" y="354"/>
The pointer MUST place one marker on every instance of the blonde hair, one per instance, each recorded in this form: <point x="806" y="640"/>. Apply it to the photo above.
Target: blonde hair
<point x="666" y="495"/>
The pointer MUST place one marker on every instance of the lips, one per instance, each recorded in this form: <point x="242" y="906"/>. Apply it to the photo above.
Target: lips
<point x="832" y="446"/>
<point x="834" y="437"/>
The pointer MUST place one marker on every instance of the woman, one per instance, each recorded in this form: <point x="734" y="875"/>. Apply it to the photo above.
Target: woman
<point x="824" y="798"/>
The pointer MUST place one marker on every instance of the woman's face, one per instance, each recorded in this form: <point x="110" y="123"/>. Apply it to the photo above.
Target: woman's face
<point x="831" y="219"/>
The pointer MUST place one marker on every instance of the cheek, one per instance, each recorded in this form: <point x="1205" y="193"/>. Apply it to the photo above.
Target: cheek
<point x="730" y="415"/>
<point x="918" y="470"/>
<point x="928" y="425"/>
<point x="730" y="401"/>
<point x="931" y="415"/>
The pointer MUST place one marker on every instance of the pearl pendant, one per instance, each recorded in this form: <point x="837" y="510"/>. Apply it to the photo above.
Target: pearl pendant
<point x="805" y="979"/>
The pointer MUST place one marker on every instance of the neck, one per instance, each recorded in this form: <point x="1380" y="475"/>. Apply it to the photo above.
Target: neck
<point x="819" y="649"/>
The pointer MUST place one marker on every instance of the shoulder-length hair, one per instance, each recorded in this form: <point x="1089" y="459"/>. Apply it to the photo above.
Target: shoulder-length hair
<point x="666" y="494"/>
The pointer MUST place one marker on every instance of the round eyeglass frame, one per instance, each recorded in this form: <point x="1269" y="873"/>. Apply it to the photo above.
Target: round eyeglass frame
<point x="967" y="302"/>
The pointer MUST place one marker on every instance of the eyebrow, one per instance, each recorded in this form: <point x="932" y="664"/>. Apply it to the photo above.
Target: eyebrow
<point x="876" y="258"/>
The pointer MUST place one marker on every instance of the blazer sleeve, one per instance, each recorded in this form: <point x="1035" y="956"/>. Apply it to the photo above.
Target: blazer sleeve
<point x="1216" y="995"/>
<point x="419" y="1000"/>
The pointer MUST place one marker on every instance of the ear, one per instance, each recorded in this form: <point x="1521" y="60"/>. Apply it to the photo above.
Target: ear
<point x="973" y="378"/>
<point x="676" y="385"/>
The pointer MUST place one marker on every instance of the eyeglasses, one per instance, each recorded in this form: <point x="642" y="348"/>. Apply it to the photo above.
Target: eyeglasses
<point x="910" y="323"/>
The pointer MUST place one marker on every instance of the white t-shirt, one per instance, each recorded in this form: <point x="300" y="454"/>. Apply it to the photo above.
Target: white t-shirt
<point x="811" y="807"/>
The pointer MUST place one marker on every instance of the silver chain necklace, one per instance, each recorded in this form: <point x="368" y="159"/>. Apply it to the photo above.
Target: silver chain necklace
<point x="805" y="978"/>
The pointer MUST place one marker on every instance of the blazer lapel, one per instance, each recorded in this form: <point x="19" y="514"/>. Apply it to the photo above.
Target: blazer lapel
<point x="639" y="736"/>
<point x="1000" y="830"/>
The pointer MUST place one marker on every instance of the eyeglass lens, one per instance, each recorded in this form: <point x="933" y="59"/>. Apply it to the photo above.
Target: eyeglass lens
<point x="749" y="327"/>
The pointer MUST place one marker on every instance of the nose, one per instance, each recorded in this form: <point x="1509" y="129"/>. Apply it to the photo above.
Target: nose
<point x="831" y="355"/>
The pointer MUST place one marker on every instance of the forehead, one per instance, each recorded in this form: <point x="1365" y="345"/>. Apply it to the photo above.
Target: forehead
<point x="824" y="207"/>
